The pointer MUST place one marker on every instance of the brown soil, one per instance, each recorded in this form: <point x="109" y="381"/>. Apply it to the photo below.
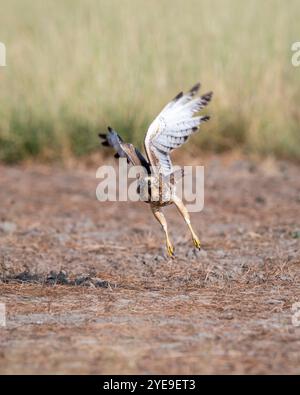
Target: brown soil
<point x="88" y="288"/>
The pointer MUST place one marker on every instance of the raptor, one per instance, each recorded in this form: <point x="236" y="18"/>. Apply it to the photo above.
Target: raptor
<point x="170" y="129"/>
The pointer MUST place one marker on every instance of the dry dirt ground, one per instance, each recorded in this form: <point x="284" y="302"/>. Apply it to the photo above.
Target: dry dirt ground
<point x="88" y="288"/>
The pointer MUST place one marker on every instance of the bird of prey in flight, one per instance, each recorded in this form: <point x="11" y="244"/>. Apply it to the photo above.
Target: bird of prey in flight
<point x="169" y="130"/>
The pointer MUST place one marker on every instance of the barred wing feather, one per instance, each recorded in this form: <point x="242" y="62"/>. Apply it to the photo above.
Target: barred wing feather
<point x="173" y="126"/>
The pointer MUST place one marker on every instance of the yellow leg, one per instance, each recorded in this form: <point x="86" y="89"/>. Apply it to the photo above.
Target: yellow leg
<point x="183" y="211"/>
<point x="162" y="220"/>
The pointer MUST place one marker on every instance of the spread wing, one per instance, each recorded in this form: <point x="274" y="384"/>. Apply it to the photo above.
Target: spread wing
<point x="124" y="150"/>
<point x="173" y="126"/>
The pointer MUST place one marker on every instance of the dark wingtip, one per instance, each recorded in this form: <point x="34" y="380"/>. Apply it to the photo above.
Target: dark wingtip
<point x="195" y="88"/>
<point x="207" y="96"/>
<point x="102" y="135"/>
<point x="109" y="128"/>
<point x="180" y="94"/>
<point x="205" y="118"/>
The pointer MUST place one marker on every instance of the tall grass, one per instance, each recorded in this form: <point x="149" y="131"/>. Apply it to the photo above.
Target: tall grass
<point x="74" y="67"/>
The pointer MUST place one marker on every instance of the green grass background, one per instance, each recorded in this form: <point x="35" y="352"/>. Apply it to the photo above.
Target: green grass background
<point x="74" y="67"/>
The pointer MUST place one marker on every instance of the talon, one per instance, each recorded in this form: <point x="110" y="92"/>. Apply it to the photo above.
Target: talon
<point x="170" y="251"/>
<point x="197" y="243"/>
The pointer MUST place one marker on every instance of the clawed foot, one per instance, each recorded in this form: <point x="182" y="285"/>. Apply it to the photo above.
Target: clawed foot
<point x="170" y="250"/>
<point x="197" y="243"/>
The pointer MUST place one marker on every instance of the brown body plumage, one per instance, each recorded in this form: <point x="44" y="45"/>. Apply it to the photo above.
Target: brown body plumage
<point x="171" y="128"/>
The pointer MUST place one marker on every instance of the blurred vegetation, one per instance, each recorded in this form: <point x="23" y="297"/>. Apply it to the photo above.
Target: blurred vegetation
<point x="74" y="67"/>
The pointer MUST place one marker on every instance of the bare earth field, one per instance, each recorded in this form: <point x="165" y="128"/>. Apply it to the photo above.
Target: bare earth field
<point x="88" y="288"/>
